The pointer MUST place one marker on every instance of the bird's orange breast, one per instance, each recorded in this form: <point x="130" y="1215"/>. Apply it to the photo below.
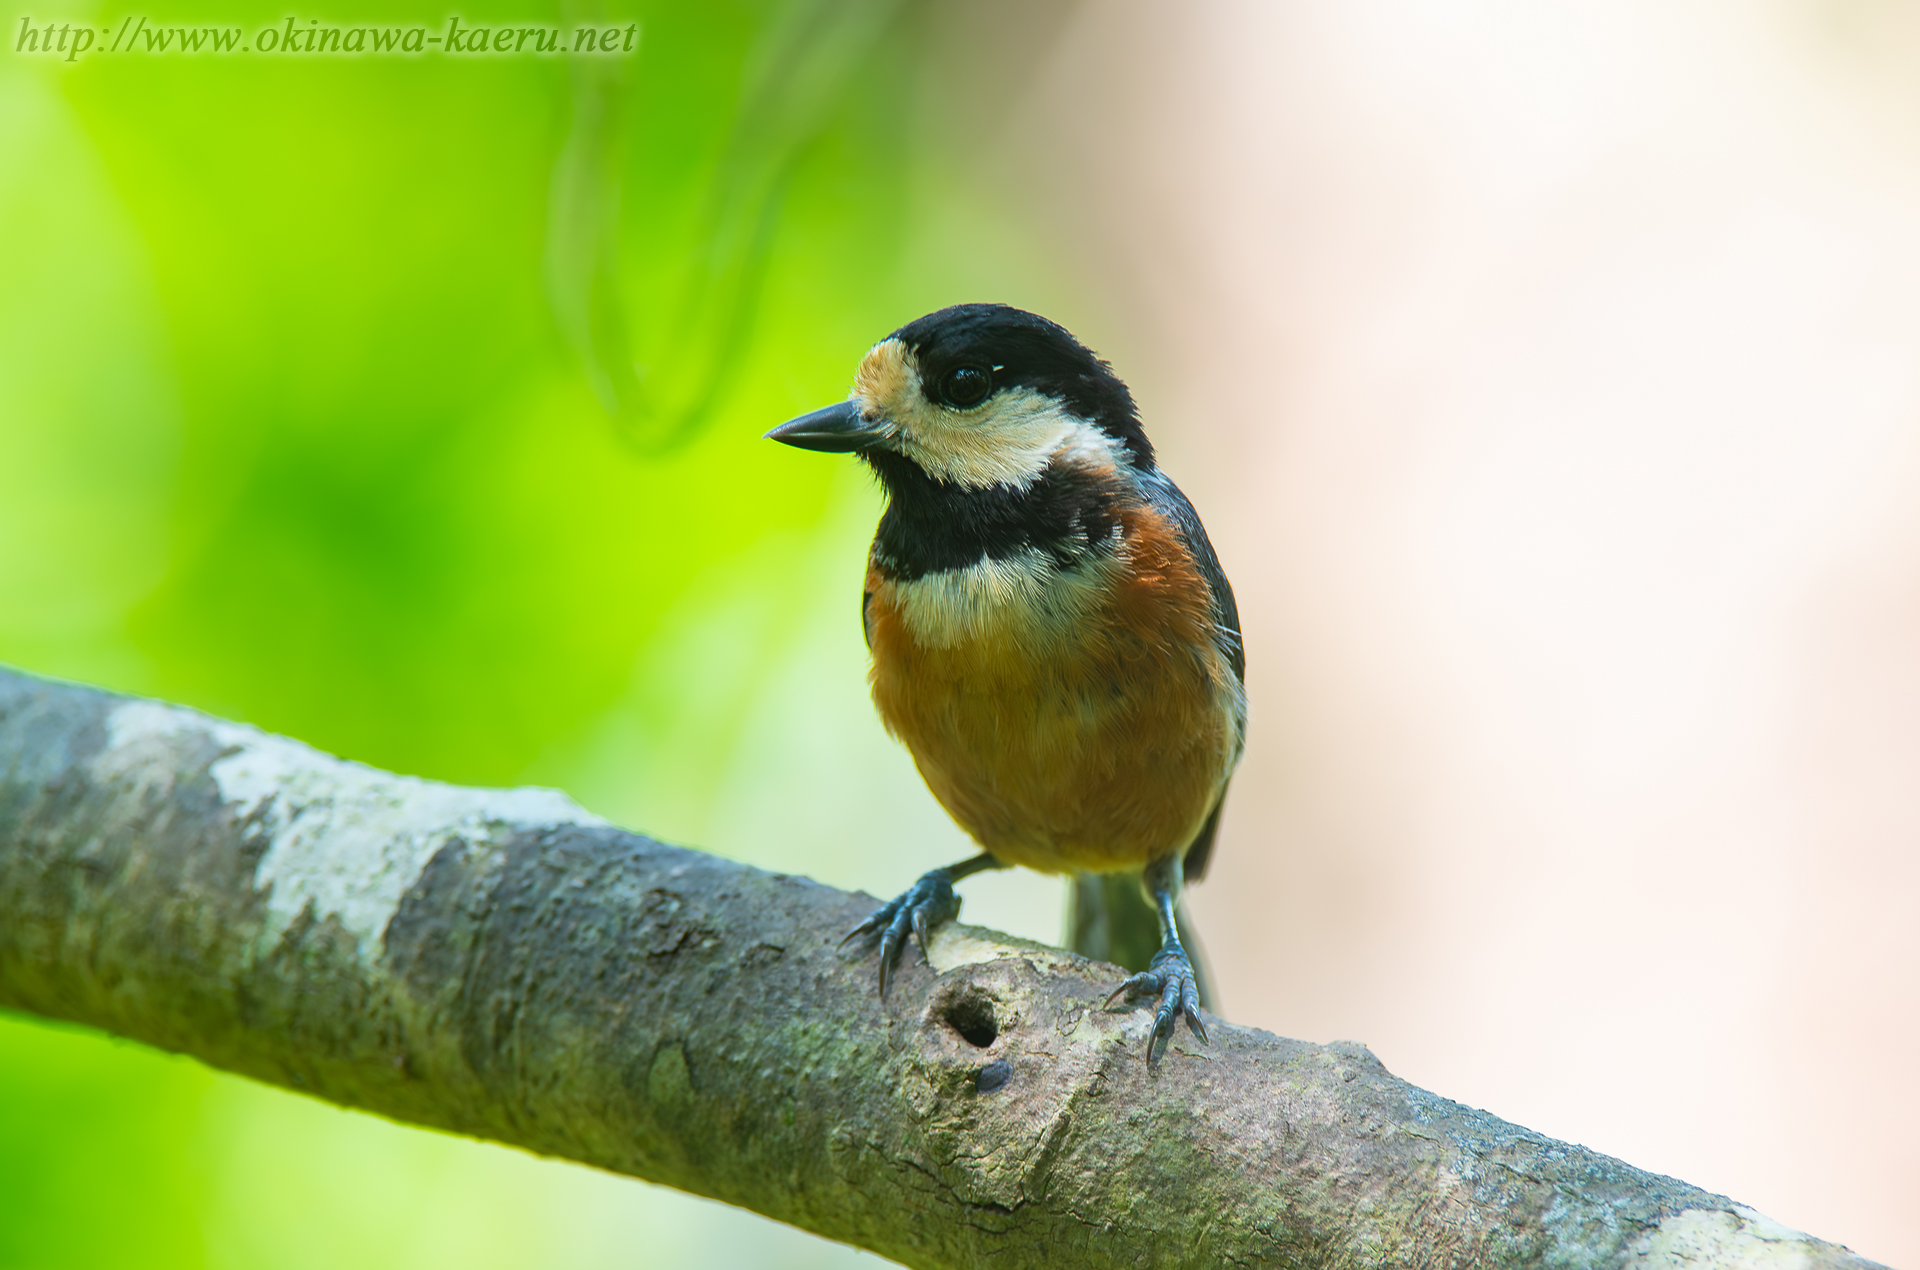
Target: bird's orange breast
<point x="1083" y="720"/>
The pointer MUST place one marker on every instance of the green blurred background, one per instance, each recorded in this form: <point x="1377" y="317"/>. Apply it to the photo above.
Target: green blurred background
<point x="412" y="407"/>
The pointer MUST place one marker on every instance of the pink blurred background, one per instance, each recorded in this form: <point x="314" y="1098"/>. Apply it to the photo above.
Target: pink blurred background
<point x="1549" y="377"/>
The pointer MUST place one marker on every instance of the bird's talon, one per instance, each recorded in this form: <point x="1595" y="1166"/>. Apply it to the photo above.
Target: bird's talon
<point x="1143" y="984"/>
<point x="917" y="910"/>
<point x="1170" y="983"/>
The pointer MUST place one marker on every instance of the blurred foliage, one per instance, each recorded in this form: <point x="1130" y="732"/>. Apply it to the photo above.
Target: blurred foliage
<point x="412" y="407"/>
<point x="391" y="486"/>
<point x="696" y="303"/>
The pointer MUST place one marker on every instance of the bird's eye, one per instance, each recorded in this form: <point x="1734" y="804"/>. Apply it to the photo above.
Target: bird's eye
<point x="965" y="387"/>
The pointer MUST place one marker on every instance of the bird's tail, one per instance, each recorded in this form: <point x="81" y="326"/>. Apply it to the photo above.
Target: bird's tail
<point x="1109" y="919"/>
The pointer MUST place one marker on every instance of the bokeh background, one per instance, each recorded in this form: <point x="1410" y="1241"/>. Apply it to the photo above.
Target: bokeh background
<point x="1549" y="377"/>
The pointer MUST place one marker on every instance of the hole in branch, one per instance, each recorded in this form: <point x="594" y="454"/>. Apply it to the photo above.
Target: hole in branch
<point x="971" y="1015"/>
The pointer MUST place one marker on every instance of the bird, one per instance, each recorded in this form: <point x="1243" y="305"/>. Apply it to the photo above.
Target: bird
<point x="1050" y="633"/>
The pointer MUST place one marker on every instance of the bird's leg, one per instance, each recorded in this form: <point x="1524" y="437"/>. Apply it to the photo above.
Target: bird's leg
<point x="919" y="909"/>
<point x="1169" y="978"/>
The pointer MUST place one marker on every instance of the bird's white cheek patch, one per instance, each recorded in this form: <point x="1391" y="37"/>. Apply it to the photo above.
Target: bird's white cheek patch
<point x="343" y="840"/>
<point x="1008" y="441"/>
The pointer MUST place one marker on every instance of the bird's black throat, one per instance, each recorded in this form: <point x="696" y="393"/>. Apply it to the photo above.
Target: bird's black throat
<point x="932" y="525"/>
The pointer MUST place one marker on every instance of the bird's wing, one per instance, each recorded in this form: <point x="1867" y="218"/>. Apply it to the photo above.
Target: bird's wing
<point x="1166" y="496"/>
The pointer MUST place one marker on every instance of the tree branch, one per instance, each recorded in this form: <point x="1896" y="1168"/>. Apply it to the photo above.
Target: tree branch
<point x="501" y="964"/>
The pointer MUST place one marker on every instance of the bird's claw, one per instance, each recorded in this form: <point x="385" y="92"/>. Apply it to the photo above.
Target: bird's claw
<point x="1170" y="978"/>
<point x="918" y="910"/>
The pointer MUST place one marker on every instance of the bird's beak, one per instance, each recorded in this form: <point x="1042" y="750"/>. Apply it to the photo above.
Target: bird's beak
<point x="838" y="429"/>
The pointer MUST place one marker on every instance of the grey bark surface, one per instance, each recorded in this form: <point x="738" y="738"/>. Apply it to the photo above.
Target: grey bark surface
<point x="501" y="964"/>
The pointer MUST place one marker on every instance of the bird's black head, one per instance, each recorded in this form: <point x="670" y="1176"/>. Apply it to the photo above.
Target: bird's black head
<point x="978" y="395"/>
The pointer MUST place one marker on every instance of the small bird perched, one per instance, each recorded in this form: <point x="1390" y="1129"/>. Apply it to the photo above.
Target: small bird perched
<point x="1052" y="636"/>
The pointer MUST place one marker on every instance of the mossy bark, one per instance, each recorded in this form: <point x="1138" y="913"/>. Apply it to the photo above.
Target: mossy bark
<point x="521" y="972"/>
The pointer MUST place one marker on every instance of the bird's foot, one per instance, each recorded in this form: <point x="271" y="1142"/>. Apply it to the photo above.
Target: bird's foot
<point x="1170" y="980"/>
<point x="919" y="909"/>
